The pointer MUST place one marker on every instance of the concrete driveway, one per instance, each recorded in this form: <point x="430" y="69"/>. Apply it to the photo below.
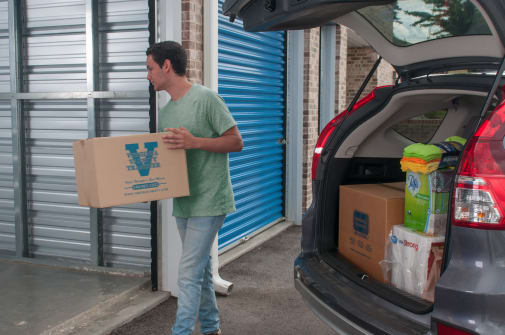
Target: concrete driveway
<point x="263" y="300"/>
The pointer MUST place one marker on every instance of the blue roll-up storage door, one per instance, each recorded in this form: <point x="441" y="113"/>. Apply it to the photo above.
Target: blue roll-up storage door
<point x="251" y="81"/>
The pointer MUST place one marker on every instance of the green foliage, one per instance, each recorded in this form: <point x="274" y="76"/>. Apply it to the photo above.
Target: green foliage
<point x="450" y="18"/>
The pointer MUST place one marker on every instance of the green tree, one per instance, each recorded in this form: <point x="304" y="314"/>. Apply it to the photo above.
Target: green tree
<point x="450" y="18"/>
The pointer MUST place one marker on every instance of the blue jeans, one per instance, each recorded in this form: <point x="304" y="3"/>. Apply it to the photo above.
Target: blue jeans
<point x="196" y="289"/>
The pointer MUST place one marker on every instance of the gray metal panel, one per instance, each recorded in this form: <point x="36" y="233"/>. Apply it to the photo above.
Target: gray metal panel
<point x="294" y="154"/>
<point x="121" y="117"/>
<point x="124" y="38"/>
<point x="127" y="236"/>
<point x="327" y="75"/>
<point x="96" y="226"/>
<point x="58" y="226"/>
<point x="56" y="44"/>
<point x="4" y="47"/>
<point x="7" y="228"/>
<point x="56" y="112"/>
<point x="55" y="61"/>
<point x="18" y="130"/>
<point x="126" y="229"/>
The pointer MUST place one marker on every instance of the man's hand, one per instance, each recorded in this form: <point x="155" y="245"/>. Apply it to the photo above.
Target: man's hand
<point x="180" y="138"/>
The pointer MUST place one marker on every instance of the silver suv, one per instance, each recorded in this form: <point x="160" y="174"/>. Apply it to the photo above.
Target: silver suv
<point x="449" y="56"/>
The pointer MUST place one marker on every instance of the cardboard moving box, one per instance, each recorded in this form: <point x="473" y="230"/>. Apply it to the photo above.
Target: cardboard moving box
<point x="399" y="185"/>
<point x="366" y="215"/>
<point x="122" y="170"/>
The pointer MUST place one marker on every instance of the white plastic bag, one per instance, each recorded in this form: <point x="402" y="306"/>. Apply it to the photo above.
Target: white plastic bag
<point x="413" y="261"/>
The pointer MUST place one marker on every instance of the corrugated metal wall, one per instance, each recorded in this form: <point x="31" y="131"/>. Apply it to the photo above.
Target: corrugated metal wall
<point x="7" y="229"/>
<point x="57" y="225"/>
<point x="55" y="60"/>
<point x="251" y="81"/>
<point x="124" y="38"/>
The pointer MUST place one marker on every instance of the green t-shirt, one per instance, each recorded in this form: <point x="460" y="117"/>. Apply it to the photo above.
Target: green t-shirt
<point x="204" y="113"/>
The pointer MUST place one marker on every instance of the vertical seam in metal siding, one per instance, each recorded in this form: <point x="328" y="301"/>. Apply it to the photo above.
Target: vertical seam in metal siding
<point x="96" y="224"/>
<point x="152" y="128"/>
<point x="18" y="131"/>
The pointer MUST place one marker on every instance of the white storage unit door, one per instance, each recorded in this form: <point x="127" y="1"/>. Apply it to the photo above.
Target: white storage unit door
<point x="251" y="81"/>
<point x="63" y="101"/>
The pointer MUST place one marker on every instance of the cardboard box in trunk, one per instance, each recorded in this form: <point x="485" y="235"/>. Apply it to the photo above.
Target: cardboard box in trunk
<point x="112" y="171"/>
<point x="399" y="185"/>
<point x="366" y="215"/>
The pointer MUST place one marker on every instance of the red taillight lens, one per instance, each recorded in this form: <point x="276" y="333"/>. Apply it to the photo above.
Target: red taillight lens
<point x="365" y="100"/>
<point x="321" y="141"/>
<point x="325" y="134"/>
<point x="479" y="194"/>
<point x="447" y="330"/>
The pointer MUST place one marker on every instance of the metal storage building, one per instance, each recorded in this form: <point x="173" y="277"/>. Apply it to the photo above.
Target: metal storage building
<point x="74" y="69"/>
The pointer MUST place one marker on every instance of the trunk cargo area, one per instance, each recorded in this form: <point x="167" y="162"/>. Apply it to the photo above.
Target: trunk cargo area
<point x="368" y="198"/>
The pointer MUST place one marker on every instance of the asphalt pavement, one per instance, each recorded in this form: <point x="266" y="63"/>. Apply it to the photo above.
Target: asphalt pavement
<point x="263" y="301"/>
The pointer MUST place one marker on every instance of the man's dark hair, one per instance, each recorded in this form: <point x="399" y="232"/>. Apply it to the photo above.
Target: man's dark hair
<point x="172" y="51"/>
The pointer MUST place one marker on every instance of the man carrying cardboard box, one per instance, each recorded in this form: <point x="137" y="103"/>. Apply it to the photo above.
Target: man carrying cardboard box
<point x="197" y="120"/>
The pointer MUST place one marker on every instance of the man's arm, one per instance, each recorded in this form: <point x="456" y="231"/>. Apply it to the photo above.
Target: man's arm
<point x="181" y="138"/>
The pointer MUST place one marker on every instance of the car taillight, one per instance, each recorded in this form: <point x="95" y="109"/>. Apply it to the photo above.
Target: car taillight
<point x="479" y="194"/>
<point x="321" y="141"/>
<point x="448" y="330"/>
<point x="330" y="127"/>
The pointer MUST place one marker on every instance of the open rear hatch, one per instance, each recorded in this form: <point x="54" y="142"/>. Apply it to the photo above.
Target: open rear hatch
<point x="412" y="35"/>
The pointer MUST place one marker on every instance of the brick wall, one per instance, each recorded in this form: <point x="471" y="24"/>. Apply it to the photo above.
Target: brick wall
<point x="310" y="109"/>
<point x="192" y="37"/>
<point x="359" y="63"/>
<point x="385" y="74"/>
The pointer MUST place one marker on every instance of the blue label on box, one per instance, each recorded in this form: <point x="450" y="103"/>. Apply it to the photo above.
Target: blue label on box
<point x="142" y="161"/>
<point x="360" y="223"/>
<point x="145" y="186"/>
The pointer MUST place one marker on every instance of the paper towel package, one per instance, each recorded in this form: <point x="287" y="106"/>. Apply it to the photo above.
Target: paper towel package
<point x="427" y="201"/>
<point x="415" y="260"/>
<point x="112" y="171"/>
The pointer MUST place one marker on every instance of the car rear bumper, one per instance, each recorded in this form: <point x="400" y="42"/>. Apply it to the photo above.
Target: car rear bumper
<point x="334" y="320"/>
<point x="350" y="309"/>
